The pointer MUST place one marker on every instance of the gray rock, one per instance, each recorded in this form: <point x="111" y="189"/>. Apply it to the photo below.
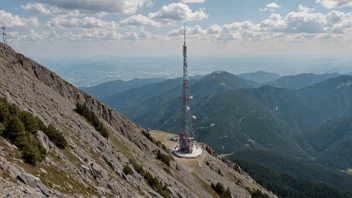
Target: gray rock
<point x="43" y="140"/>
<point x="15" y="170"/>
<point x="28" y="179"/>
<point x="43" y="170"/>
<point x="97" y="171"/>
<point x="84" y="168"/>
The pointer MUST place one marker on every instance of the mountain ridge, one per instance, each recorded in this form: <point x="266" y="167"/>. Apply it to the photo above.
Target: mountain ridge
<point x="114" y="87"/>
<point x="301" y="80"/>
<point x="260" y="76"/>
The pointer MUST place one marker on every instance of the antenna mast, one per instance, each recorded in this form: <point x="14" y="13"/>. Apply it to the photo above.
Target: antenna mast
<point x="4" y="36"/>
<point x="184" y="35"/>
<point x="186" y="135"/>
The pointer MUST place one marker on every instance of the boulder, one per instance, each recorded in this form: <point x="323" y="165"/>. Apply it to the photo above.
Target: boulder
<point x="28" y="179"/>
<point x="15" y="170"/>
<point x="43" y="140"/>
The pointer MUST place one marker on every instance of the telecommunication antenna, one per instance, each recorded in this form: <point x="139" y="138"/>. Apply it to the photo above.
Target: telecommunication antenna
<point x="186" y="136"/>
<point x="4" y="36"/>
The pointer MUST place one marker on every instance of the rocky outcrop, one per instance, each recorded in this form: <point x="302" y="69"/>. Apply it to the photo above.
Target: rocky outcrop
<point x="91" y="166"/>
<point x="43" y="140"/>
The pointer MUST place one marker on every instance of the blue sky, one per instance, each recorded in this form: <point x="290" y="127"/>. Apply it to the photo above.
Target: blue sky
<point x="88" y="28"/>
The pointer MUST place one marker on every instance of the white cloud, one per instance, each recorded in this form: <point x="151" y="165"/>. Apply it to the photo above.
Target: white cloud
<point x="305" y="9"/>
<point x="9" y="20"/>
<point x="81" y="23"/>
<point x="270" y="7"/>
<point x="98" y="6"/>
<point x="196" y="30"/>
<point x="294" y="27"/>
<point x="139" y="20"/>
<point x="90" y="35"/>
<point x="13" y="36"/>
<point x="273" y="6"/>
<point x="192" y="1"/>
<point x="177" y="12"/>
<point x="214" y="29"/>
<point x="34" y="36"/>
<point x="332" y="4"/>
<point x="43" y="9"/>
<point x="295" y="22"/>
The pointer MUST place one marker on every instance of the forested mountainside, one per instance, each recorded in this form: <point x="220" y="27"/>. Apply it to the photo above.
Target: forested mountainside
<point x="308" y="125"/>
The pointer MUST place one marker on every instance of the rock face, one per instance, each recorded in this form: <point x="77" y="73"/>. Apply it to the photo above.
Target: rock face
<point x="91" y="166"/>
<point x="43" y="140"/>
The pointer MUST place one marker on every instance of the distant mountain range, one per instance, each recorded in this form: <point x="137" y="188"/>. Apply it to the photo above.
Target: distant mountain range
<point x="303" y="120"/>
<point x="143" y="99"/>
<point x="301" y="80"/>
<point x="114" y="87"/>
<point x="260" y="76"/>
<point x="225" y="120"/>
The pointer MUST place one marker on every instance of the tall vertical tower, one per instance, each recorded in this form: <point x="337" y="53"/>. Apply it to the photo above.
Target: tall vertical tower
<point x="186" y="140"/>
<point x="4" y="36"/>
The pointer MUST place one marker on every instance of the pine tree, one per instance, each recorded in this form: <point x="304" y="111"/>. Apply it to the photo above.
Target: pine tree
<point x="15" y="131"/>
<point x="30" y="122"/>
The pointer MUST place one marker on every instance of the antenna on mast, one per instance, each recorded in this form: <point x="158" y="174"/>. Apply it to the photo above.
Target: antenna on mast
<point x="4" y="36"/>
<point x="184" y="29"/>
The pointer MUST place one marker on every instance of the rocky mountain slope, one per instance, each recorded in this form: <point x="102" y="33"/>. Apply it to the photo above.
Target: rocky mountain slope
<point x="91" y="165"/>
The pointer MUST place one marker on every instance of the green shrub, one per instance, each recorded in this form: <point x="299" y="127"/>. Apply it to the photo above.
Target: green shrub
<point x="257" y="193"/>
<point x="4" y="109"/>
<point x="220" y="190"/>
<point x="20" y="127"/>
<point x="127" y="170"/>
<point x="14" y="130"/>
<point x="30" y="122"/>
<point x="164" y="158"/>
<point x="55" y="136"/>
<point x="147" y="135"/>
<point x="153" y="182"/>
<point x="26" y="143"/>
<point x="92" y="119"/>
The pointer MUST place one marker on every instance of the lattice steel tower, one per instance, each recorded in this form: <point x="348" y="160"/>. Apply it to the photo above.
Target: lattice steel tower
<point x="4" y="36"/>
<point x="186" y="136"/>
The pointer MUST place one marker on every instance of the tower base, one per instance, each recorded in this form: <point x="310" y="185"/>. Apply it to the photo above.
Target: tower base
<point x="197" y="151"/>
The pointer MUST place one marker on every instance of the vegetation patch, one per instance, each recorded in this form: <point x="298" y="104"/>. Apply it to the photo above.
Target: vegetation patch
<point x="127" y="170"/>
<point x="19" y="127"/>
<point x="55" y="136"/>
<point x="256" y="193"/>
<point x="221" y="191"/>
<point x="120" y="145"/>
<point x="153" y="182"/>
<point x="349" y="171"/>
<point x="164" y="158"/>
<point x="93" y="119"/>
<point x="157" y="143"/>
<point x="205" y="186"/>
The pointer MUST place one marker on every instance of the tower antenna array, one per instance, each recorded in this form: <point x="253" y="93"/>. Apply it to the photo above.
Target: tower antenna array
<point x="185" y="137"/>
<point x="4" y="36"/>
